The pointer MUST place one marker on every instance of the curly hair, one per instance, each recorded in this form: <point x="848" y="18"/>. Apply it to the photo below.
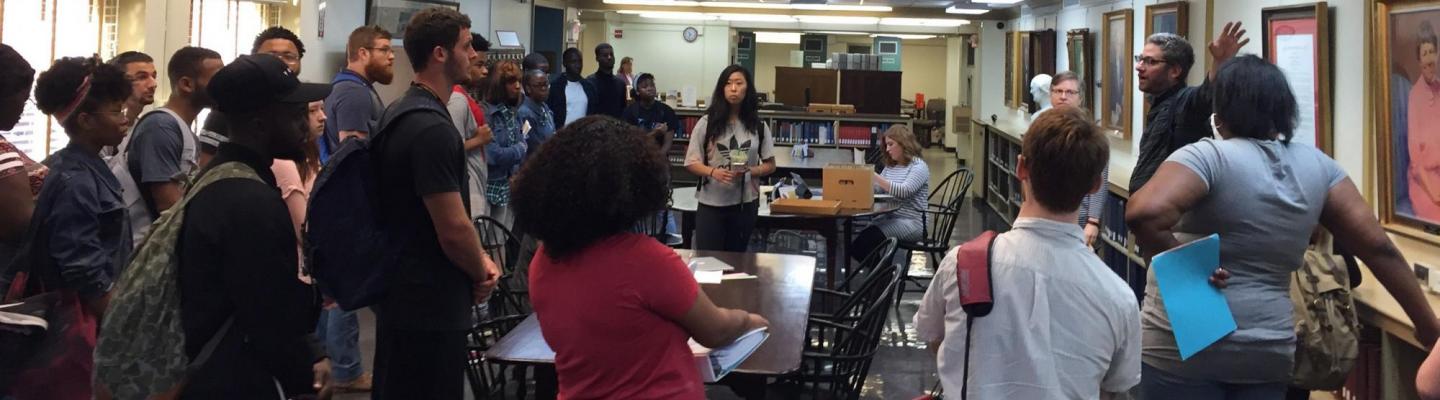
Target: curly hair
<point x="277" y="32"/>
<point x="57" y="87"/>
<point x="594" y="179"/>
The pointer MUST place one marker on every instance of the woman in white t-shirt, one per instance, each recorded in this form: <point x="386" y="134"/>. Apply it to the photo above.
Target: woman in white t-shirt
<point x="729" y="157"/>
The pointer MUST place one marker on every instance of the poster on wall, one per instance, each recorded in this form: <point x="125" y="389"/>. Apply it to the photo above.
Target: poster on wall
<point x="394" y="15"/>
<point x="1297" y="39"/>
<point x="1407" y="116"/>
<point x="1118" y="35"/>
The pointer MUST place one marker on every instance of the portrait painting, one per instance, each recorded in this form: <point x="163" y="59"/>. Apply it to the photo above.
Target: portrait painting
<point x="1115" y="94"/>
<point x="1409" y="115"/>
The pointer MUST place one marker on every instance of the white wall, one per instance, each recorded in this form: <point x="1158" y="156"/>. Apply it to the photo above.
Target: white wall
<point x="658" y="47"/>
<point x="955" y="72"/>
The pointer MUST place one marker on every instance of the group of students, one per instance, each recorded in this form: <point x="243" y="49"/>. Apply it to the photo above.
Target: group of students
<point x="76" y="221"/>
<point x="1215" y="158"/>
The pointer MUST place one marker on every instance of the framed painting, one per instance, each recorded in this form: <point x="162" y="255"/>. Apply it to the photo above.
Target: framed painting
<point x="1027" y="71"/>
<point x="1169" y="18"/>
<point x="1010" y="43"/>
<point x="1297" y="39"/>
<point x="1079" y="50"/>
<point x="394" y="15"/>
<point x="1406" y="115"/>
<point x="1118" y="32"/>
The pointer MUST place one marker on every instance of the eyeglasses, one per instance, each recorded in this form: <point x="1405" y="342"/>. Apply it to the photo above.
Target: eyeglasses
<point x="1067" y="93"/>
<point x="1147" y="61"/>
<point x="385" y="49"/>
<point x="286" y="57"/>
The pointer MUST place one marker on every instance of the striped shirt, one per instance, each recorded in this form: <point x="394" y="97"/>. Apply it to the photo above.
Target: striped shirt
<point x="13" y="161"/>
<point x="910" y="185"/>
<point x="1094" y="204"/>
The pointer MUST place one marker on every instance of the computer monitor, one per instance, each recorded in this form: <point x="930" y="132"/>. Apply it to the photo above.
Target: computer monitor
<point x="507" y="38"/>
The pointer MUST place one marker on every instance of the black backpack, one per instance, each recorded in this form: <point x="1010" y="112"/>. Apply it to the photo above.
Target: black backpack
<point x="350" y="249"/>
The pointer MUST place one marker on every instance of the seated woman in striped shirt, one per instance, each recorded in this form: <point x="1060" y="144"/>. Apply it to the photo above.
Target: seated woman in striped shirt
<point x="907" y="178"/>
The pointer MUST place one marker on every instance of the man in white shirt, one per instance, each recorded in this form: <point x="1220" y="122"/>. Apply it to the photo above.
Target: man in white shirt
<point x="1063" y="325"/>
<point x="571" y="96"/>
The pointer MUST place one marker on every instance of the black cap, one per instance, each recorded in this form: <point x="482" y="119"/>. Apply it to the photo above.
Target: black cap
<point x="254" y="81"/>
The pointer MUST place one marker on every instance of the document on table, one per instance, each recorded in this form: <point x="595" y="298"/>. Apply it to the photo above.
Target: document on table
<point x="714" y="364"/>
<point x="1199" y="314"/>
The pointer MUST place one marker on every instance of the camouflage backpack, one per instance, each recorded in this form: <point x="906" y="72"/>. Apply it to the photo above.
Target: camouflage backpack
<point x="140" y="353"/>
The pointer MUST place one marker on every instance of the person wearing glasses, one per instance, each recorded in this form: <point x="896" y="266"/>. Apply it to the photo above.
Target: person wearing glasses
<point x="281" y="43"/>
<point x="1179" y="114"/>
<point x="354" y="107"/>
<point x="533" y="109"/>
<point x="79" y="237"/>
<point x="1066" y="90"/>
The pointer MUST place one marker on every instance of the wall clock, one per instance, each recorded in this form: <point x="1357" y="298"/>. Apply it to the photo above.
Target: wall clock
<point x="690" y="34"/>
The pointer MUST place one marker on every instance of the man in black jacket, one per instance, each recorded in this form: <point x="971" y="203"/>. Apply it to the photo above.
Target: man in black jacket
<point x="609" y="89"/>
<point x="567" y="88"/>
<point x="237" y="258"/>
<point x="1179" y="114"/>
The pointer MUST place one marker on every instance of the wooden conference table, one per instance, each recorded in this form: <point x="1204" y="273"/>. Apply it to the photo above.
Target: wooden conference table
<point x="685" y="202"/>
<point x="780" y="293"/>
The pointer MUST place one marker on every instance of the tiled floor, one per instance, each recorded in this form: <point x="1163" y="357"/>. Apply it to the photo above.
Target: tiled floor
<point x="902" y="369"/>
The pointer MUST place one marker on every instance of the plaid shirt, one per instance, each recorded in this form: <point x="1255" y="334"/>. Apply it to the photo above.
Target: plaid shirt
<point x="504" y="124"/>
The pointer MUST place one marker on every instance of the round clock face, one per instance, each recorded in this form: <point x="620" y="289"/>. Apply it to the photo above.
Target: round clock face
<point x="691" y="34"/>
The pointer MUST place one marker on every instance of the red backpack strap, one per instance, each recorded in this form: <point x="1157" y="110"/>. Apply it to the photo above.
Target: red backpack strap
<point x="972" y="269"/>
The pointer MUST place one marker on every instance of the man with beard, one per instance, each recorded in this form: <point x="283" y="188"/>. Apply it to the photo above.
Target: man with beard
<point x="161" y="151"/>
<point x="140" y="70"/>
<point x="354" y="107"/>
<point x="236" y="250"/>
<point x="424" y="315"/>
<point x="609" y="89"/>
<point x="1179" y="114"/>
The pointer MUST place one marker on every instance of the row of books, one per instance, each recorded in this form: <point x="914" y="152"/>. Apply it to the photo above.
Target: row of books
<point x="1112" y="220"/>
<point x="1364" y="382"/>
<point x="807" y="132"/>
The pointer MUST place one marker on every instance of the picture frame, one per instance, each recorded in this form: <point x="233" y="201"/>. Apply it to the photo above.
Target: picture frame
<point x="1395" y="69"/>
<point x="1169" y="17"/>
<point x="1118" y="42"/>
<point x="1080" y="49"/>
<point x="1011" y="40"/>
<point x="1297" y="39"/>
<point x="394" y="15"/>
<point x="1025" y="66"/>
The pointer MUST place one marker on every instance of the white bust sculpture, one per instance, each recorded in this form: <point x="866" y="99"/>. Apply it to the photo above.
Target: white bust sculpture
<point x="1040" y="90"/>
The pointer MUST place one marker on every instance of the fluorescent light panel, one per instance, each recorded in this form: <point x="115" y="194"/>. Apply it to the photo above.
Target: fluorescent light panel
<point x="996" y="1"/>
<point x="966" y="11"/>
<point x="842" y="33"/>
<point x="756" y="17"/>
<point x="903" y="36"/>
<point x="923" y="22"/>
<point x="768" y="6"/>
<point x="827" y="19"/>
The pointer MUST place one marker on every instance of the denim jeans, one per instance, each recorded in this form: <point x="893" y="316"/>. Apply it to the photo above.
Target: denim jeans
<point x="340" y="331"/>
<point x="1157" y="384"/>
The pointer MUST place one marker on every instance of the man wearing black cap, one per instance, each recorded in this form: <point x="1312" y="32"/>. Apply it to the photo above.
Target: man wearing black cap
<point x="422" y="320"/>
<point x="236" y="248"/>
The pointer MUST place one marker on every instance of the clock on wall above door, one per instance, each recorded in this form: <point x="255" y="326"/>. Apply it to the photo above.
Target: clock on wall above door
<point x="690" y="34"/>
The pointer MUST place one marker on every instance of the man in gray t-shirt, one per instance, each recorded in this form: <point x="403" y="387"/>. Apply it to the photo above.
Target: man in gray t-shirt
<point x="354" y="107"/>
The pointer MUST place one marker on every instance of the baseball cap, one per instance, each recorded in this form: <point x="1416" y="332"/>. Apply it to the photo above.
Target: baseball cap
<point x="254" y="81"/>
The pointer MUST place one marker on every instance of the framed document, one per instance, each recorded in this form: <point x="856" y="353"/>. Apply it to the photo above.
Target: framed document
<point x="1297" y="39"/>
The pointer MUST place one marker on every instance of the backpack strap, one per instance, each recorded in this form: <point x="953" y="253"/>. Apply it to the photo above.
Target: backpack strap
<point x="972" y="267"/>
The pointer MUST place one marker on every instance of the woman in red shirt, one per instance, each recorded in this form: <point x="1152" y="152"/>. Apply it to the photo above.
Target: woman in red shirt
<point x="617" y="307"/>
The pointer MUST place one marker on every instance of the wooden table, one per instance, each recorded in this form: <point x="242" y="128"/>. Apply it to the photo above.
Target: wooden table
<point x="822" y="156"/>
<point x="684" y="201"/>
<point x="781" y="294"/>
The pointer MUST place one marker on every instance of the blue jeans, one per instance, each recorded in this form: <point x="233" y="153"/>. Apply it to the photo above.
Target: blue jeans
<point x="1157" y="384"/>
<point x="340" y="331"/>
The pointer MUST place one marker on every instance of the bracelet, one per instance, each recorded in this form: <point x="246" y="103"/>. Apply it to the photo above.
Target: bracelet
<point x="711" y="174"/>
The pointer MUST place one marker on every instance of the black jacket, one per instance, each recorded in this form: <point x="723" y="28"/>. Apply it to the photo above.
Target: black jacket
<point x="1177" y="117"/>
<point x="557" y="98"/>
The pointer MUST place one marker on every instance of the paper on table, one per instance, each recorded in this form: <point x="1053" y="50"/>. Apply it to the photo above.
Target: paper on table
<point x="710" y="264"/>
<point x="1199" y="314"/>
<point x="713" y="277"/>
<point x="714" y="364"/>
<point x="1295" y="55"/>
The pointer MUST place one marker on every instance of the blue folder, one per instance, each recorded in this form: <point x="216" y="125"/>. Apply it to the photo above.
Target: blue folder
<point x="1199" y="314"/>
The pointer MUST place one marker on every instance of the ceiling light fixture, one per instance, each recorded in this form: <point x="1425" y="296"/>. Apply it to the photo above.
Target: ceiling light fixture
<point x="755" y="17"/>
<point x="777" y="37"/>
<point x="996" y="1"/>
<point x="688" y="16"/>
<point x="767" y="6"/>
<point x="840" y="33"/>
<point x="827" y="19"/>
<point x="903" y="36"/>
<point x="966" y="11"/>
<point x="923" y="22"/>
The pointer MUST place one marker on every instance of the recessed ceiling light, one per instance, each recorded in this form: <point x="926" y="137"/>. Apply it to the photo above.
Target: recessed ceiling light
<point x="923" y="22"/>
<point x="967" y="11"/>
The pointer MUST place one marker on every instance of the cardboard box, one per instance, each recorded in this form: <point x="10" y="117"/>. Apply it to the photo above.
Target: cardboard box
<point x="851" y="184"/>
<point x="805" y="206"/>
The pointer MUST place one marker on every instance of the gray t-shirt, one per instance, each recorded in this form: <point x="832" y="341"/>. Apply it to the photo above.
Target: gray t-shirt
<point x="465" y="122"/>
<point x="736" y="140"/>
<point x="1264" y="199"/>
<point x="351" y="106"/>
